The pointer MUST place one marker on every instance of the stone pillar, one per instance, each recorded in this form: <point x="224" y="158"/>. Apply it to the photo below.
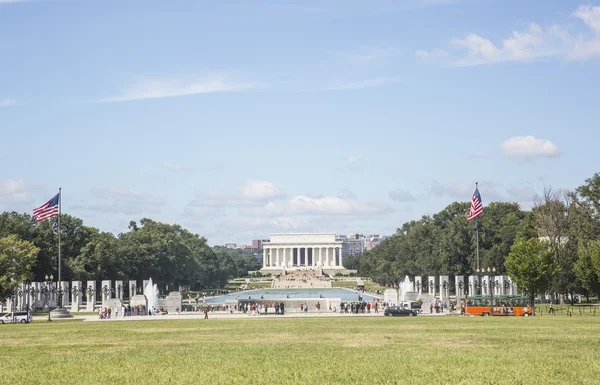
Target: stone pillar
<point x="473" y="282"/>
<point x="444" y="288"/>
<point x="76" y="294"/>
<point x="37" y="298"/>
<point x="327" y="263"/>
<point x="119" y="290"/>
<point x="418" y="285"/>
<point x="431" y="284"/>
<point x="341" y="256"/>
<point x="64" y="286"/>
<point x="264" y="256"/>
<point x="105" y="291"/>
<point x="278" y="261"/>
<point x="460" y="292"/>
<point x="485" y="285"/>
<point x="91" y="295"/>
<point x="132" y="289"/>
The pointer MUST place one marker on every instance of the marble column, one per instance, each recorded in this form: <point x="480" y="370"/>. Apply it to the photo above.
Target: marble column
<point x="90" y="295"/>
<point x="418" y="285"/>
<point x="431" y="284"/>
<point x="485" y="285"/>
<point x="37" y="298"/>
<point x="132" y="288"/>
<point x="460" y="291"/>
<point x="76" y="294"/>
<point x="105" y="291"/>
<point x="119" y="290"/>
<point x="444" y="288"/>
<point x="264" y="256"/>
<point x="64" y="300"/>
<point x="473" y="285"/>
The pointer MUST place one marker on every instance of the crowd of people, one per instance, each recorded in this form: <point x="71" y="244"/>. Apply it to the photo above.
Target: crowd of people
<point x="302" y="279"/>
<point x="359" y="307"/>
<point x="128" y="311"/>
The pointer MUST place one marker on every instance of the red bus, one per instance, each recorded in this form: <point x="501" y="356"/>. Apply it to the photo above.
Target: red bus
<point x="503" y="305"/>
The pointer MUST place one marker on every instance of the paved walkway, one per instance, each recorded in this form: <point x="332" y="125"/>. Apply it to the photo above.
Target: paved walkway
<point x="235" y="315"/>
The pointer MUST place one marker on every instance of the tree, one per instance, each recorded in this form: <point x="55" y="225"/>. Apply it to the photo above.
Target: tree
<point x="530" y="264"/>
<point x="587" y="267"/>
<point x="17" y="257"/>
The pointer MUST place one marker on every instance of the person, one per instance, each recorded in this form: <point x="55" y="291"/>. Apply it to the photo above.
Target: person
<point x="551" y="308"/>
<point x="205" y="312"/>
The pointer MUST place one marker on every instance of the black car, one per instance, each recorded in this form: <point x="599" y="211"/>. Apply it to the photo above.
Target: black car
<point x="399" y="311"/>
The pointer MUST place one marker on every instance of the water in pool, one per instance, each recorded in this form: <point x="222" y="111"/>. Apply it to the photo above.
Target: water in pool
<point x="279" y="294"/>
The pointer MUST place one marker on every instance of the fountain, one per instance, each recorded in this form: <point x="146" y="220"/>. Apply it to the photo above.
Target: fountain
<point x="407" y="290"/>
<point x="151" y="293"/>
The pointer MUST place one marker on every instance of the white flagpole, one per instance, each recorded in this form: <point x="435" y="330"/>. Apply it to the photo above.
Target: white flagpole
<point x="60" y="305"/>
<point x="477" y="231"/>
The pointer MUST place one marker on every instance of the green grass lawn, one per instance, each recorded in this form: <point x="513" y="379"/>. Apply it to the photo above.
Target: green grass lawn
<point x="344" y="350"/>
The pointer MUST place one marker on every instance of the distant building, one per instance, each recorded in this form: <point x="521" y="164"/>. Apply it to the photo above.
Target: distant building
<point x="231" y="245"/>
<point x="352" y="246"/>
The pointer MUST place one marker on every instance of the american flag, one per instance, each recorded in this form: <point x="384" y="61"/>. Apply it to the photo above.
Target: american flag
<point x="47" y="210"/>
<point x="476" y="206"/>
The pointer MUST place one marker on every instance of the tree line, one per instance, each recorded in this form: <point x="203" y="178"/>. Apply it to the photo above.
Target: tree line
<point x="555" y="247"/>
<point x="169" y="254"/>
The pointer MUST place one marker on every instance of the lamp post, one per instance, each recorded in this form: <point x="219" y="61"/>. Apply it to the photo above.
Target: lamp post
<point x="46" y="292"/>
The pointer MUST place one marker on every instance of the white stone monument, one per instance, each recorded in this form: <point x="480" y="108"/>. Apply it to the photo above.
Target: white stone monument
<point x="474" y="288"/>
<point x="444" y="288"/>
<point x="119" y="290"/>
<point x="460" y="289"/>
<point x="64" y="287"/>
<point x="90" y="296"/>
<point x="106" y="291"/>
<point x="431" y="284"/>
<point x="390" y="296"/>
<point x="419" y="285"/>
<point x="132" y="289"/>
<point x="76" y="296"/>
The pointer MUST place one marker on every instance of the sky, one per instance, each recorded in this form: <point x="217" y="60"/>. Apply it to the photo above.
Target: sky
<point x="241" y="119"/>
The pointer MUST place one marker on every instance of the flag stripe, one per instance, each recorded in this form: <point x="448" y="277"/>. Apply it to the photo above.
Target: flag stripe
<point x="47" y="210"/>
<point x="476" y="206"/>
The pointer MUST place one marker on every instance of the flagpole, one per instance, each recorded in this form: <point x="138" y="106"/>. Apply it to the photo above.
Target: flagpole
<point x="59" y="245"/>
<point x="477" y="231"/>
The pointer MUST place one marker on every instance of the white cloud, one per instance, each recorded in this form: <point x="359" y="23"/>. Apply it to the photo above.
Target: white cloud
<point x="353" y="161"/>
<point x="127" y="201"/>
<point x="366" y="83"/>
<point x="587" y="48"/>
<point x="7" y="102"/>
<point x="14" y="191"/>
<point x="251" y="192"/>
<point x="529" y="147"/>
<point x="304" y="205"/>
<point x="534" y="43"/>
<point x="345" y="193"/>
<point x="174" y="166"/>
<point x="400" y="195"/>
<point x="258" y="190"/>
<point x="165" y="88"/>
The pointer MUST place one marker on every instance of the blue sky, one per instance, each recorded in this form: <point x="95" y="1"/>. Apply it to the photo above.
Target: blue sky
<point x="238" y="119"/>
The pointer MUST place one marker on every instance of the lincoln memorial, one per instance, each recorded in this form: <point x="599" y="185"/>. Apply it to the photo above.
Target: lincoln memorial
<point x="292" y="251"/>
